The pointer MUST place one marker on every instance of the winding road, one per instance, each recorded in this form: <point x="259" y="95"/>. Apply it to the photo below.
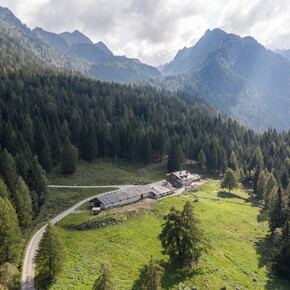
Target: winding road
<point x="27" y="281"/>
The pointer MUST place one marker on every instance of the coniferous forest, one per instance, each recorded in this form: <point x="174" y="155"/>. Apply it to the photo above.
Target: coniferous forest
<point x="53" y="117"/>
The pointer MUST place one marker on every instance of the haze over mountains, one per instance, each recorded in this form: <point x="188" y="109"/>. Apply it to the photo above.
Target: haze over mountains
<point x="238" y="75"/>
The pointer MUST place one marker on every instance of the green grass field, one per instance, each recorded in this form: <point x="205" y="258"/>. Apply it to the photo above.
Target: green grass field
<point x="60" y="199"/>
<point x="238" y="258"/>
<point x="105" y="172"/>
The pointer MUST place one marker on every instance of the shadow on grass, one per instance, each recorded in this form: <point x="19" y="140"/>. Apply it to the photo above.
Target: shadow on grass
<point x="263" y="215"/>
<point x="264" y="249"/>
<point x="224" y="194"/>
<point x="43" y="283"/>
<point x="173" y="275"/>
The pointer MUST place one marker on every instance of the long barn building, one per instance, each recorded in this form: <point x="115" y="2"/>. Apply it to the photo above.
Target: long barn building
<point x="158" y="189"/>
<point x="133" y="194"/>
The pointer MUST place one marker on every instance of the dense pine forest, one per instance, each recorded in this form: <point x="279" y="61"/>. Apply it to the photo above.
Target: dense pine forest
<point x="52" y="117"/>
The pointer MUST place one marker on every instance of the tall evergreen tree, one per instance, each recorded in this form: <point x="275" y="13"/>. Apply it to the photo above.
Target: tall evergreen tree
<point x="154" y="275"/>
<point x="68" y="158"/>
<point x="281" y="259"/>
<point x="4" y="193"/>
<point x="255" y="178"/>
<point x="230" y="180"/>
<point x="23" y="204"/>
<point x="170" y="236"/>
<point x="181" y="239"/>
<point x="202" y="159"/>
<point x="50" y="254"/>
<point x="271" y="187"/>
<point x="193" y="242"/>
<point x="173" y="162"/>
<point x="104" y="281"/>
<point x="233" y="162"/>
<point x="261" y="185"/>
<point x="277" y="212"/>
<point x="8" y="170"/>
<point x="10" y="234"/>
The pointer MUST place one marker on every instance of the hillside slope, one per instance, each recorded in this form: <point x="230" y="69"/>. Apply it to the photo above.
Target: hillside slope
<point x="236" y="229"/>
<point x="238" y="75"/>
<point x="84" y="56"/>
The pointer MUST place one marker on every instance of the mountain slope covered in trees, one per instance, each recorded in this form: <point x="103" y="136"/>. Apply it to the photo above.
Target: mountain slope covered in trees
<point x="83" y="56"/>
<point x="236" y="74"/>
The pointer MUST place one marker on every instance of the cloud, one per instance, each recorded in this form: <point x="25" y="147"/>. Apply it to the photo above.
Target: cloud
<point x="154" y="30"/>
<point x="266" y="20"/>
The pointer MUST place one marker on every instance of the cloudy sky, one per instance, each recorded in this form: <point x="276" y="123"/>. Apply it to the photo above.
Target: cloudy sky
<point x="154" y="30"/>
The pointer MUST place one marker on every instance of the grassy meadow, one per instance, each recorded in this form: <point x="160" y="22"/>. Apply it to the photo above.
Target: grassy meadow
<point x="236" y="228"/>
<point x="103" y="172"/>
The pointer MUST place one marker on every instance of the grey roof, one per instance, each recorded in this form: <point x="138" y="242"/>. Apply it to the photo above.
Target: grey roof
<point x="159" y="187"/>
<point x="184" y="175"/>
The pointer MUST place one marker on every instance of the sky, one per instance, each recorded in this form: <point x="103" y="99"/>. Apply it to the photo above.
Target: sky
<point x="154" y="30"/>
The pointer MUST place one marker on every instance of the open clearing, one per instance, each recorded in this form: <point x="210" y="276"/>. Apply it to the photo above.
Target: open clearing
<point x="238" y="258"/>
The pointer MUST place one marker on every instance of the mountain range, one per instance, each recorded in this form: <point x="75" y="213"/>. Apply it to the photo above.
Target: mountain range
<point x="75" y="51"/>
<point x="238" y="75"/>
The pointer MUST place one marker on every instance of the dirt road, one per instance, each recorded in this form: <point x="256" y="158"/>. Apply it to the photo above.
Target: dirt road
<point x="27" y="281"/>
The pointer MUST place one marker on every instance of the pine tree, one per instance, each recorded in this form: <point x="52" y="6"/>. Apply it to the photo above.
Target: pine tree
<point x="50" y="254"/>
<point x="277" y="212"/>
<point x="255" y="178"/>
<point x="68" y="158"/>
<point x="233" y="162"/>
<point x="23" y="203"/>
<point x="9" y="276"/>
<point x="201" y="159"/>
<point x="10" y="234"/>
<point x="104" y="281"/>
<point x="154" y="275"/>
<point x="271" y="186"/>
<point x="230" y="180"/>
<point x="193" y="242"/>
<point x="44" y="154"/>
<point x="173" y="162"/>
<point x="261" y="185"/>
<point x="170" y="236"/>
<point x="281" y="259"/>
<point x="8" y="170"/>
<point x="4" y="193"/>
<point x="181" y="239"/>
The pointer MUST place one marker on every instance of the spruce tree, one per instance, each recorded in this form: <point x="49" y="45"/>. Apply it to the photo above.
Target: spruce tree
<point x="104" y="281"/>
<point x="170" y="236"/>
<point x="50" y="254"/>
<point x="9" y="276"/>
<point x="233" y="162"/>
<point x="68" y="158"/>
<point x="10" y="234"/>
<point x="8" y="170"/>
<point x="181" y="238"/>
<point x="154" y="275"/>
<point x="23" y="203"/>
<point x="271" y="187"/>
<point x="277" y="212"/>
<point x="202" y="159"/>
<point x="255" y="178"/>
<point x="261" y="185"/>
<point x="4" y="193"/>
<point x="173" y="162"/>
<point x="230" y="180"/>
<point x="281" y="259"/>
<point x="193" y="242"/>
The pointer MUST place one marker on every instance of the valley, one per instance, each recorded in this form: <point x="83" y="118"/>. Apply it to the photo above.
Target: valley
<point x="237" y="230"/>
<point x="79" y="119"/>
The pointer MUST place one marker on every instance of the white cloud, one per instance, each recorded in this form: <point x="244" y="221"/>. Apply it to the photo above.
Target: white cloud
<point x="154" y="30"/>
